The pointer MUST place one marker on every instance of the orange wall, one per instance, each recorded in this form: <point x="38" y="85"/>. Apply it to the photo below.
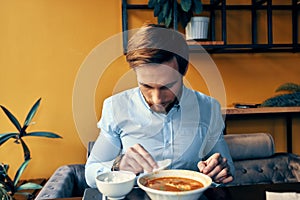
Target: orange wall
<point x="44" y="43"/>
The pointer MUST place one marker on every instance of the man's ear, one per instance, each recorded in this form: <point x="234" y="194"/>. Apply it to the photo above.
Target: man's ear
<point x="179" y="61"/>
<point x="184" y="73"/>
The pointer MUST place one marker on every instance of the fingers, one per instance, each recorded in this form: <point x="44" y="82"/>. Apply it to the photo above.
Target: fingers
<point x="137" y="160"/>
<point x="227" y="180"/>
<point x="217" y="168"/>
<point x="224" y="176"/>
<point x="209" y="166"/>
<point x="201" y="166"/>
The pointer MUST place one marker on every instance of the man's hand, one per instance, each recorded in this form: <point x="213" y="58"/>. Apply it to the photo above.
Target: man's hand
<point x="217" y="168"/>
<point x="137" y="160"/>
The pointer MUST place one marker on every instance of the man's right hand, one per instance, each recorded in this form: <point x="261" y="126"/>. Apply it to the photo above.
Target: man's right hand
<point x="137" y="160"/>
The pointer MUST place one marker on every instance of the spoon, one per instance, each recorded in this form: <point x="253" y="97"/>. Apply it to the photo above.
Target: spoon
<point x="163" y="164"/>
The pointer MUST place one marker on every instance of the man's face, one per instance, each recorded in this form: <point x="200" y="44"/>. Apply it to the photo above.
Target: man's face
<point x="160" y="84"/>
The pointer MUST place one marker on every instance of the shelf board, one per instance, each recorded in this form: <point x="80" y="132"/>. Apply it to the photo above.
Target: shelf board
<point x="242" y="48"/>
<point x="226" y="47"/>
<point x="195" y="42"/>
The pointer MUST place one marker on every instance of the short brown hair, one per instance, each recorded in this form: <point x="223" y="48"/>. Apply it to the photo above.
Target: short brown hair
<point x="157" y="44"/>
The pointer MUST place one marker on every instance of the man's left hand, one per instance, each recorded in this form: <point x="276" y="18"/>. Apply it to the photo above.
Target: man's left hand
<point x="217" y="168"/>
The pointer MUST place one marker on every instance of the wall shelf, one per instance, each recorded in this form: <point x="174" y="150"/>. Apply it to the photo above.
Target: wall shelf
<point x="288" y="113"/>
<point x="223" y="45"/>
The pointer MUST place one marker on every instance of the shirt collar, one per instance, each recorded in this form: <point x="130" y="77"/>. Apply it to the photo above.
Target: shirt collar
<point x="176" y="105"/>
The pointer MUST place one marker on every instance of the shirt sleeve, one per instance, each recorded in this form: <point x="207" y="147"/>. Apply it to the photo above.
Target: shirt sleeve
<point x="222" y="148"/>
<point x="105" y="150"/>
<point x="214" y="141"/>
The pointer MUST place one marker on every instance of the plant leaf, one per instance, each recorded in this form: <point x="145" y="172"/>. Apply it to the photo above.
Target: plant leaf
<point x="4" y="167"/>
<point x="20" y="171"/>
<point x="185" y="18"/>
<point x="169" y="18"/>
<point x="157" y="10"/>
<point x="29" y="186"/>
<point x="12" y="118"/>
<point x="160" y="18"/>
<point x="161" y="2"/>
<point x="166" y="10"/>
<point x="44" y="134"/>
<point x="6" y="136"/>
<point x="151" y="3"/>
<point x="283" y="100"/>
<point x="25" y="150"/>
<point x="4" y="195"/>
<point x="186" y="5"/>
<point x="3" y="172"/>
<point x="289" y="87"/>
<point x="197" y="8"/>
<point x="31" y="114"/>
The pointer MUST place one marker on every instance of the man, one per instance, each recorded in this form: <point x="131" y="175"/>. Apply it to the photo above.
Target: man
<point x="161" y="118"/>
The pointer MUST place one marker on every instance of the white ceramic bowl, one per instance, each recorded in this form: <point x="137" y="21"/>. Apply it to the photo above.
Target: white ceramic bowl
<point x="167" y="195"/>
<point x="115" y="184"/>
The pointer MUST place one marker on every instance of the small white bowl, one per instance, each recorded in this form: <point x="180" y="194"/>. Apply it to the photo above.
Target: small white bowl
<point x="115" y="184"/>
<point x="170" y="195"/>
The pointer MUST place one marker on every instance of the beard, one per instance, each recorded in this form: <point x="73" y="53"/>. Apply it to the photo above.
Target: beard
<point x="158" y="108"/>
<point x="163" y="108"/>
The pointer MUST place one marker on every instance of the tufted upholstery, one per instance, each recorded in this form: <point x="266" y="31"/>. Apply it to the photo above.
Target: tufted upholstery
<point x="253" y="155"/>
<point x="280" y="167"/>
<point x="67" y="181"/>
<point x="255" y="160"/>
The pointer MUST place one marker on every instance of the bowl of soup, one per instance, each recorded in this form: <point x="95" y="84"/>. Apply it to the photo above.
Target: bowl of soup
<point x="174" y="184"/>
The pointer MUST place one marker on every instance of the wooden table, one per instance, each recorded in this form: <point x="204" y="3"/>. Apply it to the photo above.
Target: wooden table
<point x="248" y="192"/>
<point x="266" y="112"/>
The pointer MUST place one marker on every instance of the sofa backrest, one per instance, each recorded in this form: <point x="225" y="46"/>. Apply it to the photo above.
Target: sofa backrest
<point x="250" y="145"/>
<point x="256" y="162"/>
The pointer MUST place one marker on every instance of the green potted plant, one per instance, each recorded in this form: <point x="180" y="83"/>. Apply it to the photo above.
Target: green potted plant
<point x="196" y="27"/>
<point x="9" y="186"/>
<point x="163" y="10"/>
<point x="289" y="95"/>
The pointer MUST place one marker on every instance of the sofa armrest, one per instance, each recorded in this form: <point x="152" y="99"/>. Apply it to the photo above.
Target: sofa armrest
<point x="295" y="165"/>
<point x="67" y="181"/>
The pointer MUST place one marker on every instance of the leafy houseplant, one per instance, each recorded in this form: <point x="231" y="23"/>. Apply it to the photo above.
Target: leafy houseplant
<point x="291" y="96"/>
<point x="9" y="186"/>
<point x="163" y="10"/>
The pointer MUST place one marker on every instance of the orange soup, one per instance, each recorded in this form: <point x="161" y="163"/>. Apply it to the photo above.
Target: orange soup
<point x="174" y="184"/>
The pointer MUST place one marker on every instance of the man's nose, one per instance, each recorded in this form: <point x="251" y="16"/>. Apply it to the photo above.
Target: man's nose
<point x="157" y="96"/>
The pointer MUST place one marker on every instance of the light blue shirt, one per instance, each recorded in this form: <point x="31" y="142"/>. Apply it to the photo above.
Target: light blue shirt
<point x="191" y="131"/>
